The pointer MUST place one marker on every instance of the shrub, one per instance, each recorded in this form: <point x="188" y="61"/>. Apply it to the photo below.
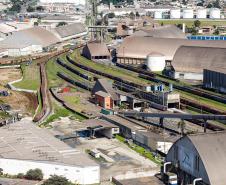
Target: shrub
<point x="34" y="174"/>
<point x="57" y="180"/>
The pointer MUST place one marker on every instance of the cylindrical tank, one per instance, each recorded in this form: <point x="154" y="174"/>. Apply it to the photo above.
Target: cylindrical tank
<point x="201" y="14"/>
<point x="175" y="14"/>
<point x="155" y="62"/>
<point x="215" y="13"/>
<point x="158" y="15"/>
<point x="188" y="14"/>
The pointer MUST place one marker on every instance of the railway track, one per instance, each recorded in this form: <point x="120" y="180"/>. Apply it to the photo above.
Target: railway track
<point x="118" y="80"/>
<point x="153" y="77"/>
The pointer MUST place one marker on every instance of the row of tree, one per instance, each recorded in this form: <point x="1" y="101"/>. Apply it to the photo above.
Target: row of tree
<point x="37" y="175"/>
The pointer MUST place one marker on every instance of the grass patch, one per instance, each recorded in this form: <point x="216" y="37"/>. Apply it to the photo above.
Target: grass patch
<point x="31" y="77"/>
<point x="72" y="99"/>
<point x="121" y="73"/>
<point x="61" y="112"/>
<point x="4" y="115"/>
<point x="190" y="22"/>
<point x="142" y="151"/>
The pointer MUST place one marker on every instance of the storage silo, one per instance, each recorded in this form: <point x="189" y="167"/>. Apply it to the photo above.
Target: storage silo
<point x="175" y="14"/>
<point x="188" y="14"/>
<point x="201" y="13"/>
<point x="156" y="61"/>
<point x="215" y="13"/>
<point x="158" y="15"/>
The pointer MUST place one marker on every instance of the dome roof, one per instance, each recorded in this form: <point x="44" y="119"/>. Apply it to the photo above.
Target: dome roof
<point x="155" y="54"/>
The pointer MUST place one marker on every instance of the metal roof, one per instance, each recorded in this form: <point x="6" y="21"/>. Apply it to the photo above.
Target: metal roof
<point x="98" y="49"/>
<point x="140" y="47"/>
<point x="71" y="30"/>
<point x="25" y="141"/>
<point x="195" y="59"/>
<point x="212" y="149"/>
<point x="28" y="37"/>
<point x="168" y="31"/>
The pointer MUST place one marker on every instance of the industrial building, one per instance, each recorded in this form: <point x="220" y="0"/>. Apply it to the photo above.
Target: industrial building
<point x="25" y="146"/>
<point x="96" y="51"/>
<point x="134" y="49"/>
<point x="29" y="41"/>
<point x="168" y="31"/>
<point x="100" y="127"/>
<point x="105" y="95"/>
<point x="52" y="21"/>
<point x="215" y="79"/>
<point x="189" y="62"/>
<point x="71" y="31"/>
<point x="198" y="159"/>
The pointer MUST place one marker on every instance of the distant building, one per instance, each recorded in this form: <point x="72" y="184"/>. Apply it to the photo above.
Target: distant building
<point x="29" y="41"/>
<point x="199" y="157"/>
<point x="95" y="51"/>
<point x="71" y="31"/>
<point x="168" y="31"/>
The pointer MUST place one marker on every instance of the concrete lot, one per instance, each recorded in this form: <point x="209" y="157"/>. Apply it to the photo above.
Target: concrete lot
<point x="125" y="159"/>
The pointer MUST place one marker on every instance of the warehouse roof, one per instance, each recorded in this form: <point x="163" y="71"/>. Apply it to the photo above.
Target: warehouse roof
<point x="28" y="37"/>
<point x="195" y="59"/>
<point x="29" y="142"/>
<point x="98" y="49"/>
<point x="71" y="30"/>
<point x="168" y="31"/>
<point x="5" y="28"/>
<point x="140" y="47"/>
<point x="212" y="148"/>
<point x="57" y="17"/>
<point x="106" y="87"/>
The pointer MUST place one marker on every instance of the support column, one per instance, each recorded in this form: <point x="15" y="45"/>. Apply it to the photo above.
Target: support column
<point x="205" y="125"/>
<point x="161" y="122"/>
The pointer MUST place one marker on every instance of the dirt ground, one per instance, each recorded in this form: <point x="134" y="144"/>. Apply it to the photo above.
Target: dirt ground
<point x="8" y="75"/>
<point x="25" y="103"/>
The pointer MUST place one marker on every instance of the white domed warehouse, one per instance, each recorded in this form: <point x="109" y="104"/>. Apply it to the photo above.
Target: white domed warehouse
<point x="155" y="61"/>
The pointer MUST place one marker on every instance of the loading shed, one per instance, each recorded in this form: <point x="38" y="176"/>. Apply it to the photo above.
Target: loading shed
<point x="95" y="51"/>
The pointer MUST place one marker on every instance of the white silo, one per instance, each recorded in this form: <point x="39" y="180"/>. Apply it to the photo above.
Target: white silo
<point x="201" y="13"/>
<point x="156" y="61"/>
<point x="175" y="14"/>
<point x="188" y="14"/>
<point x="158" y="15"/>
<point x="215" y="13"/>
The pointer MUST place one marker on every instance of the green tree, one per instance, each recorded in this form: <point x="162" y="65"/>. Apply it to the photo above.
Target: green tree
<point x="57" y="180"/>
<point x="197" y="23"/>
<point x="40" y="8"/>
<point x="34" y="174"/>
<point x="111" y="15"/>
<point x="30" y="9"/>
<point x="20" y="175"/>
<point x="181" y="125"/>
<point x="61" y="24"/>
<point x="216" y="32"/>
<point x="15" y="8"/>
<point x="132" y="15"/>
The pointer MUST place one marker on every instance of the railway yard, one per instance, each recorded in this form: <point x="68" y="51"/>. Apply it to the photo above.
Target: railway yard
<point x="63" y="99"/>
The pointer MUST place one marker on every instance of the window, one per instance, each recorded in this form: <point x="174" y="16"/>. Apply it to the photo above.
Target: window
<point x="181" y="75"/>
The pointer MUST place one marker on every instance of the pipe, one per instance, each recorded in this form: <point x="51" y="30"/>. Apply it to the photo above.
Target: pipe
<point x="164" y="166"/>
<point x="196" y="180"/>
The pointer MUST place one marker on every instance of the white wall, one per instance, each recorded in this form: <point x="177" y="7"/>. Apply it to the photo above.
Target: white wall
<point x="14" y="52"/>
<point x="81" y="175"/>
<point x="189" y="76"/>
